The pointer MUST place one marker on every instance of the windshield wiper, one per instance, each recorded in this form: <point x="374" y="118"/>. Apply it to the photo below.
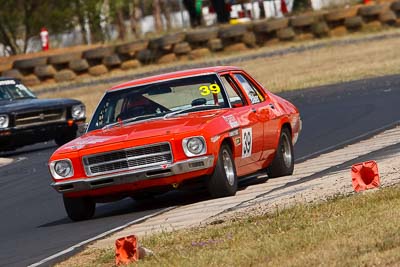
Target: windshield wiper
<point x="195" y="108"/>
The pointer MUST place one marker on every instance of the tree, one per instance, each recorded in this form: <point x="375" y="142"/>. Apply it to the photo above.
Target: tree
<point x="22" y="19"/>
<point x="88" y="12"/>
<point x="157" y="15"/>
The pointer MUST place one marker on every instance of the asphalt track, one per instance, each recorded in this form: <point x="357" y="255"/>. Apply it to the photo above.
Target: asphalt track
<point x="34" y="225"/>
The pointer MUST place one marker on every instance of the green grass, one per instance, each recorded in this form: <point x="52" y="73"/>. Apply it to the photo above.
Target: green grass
<point x="358" y="230"/>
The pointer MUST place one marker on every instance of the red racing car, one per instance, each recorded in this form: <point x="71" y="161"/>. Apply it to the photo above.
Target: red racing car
<point x="210" y="125"/>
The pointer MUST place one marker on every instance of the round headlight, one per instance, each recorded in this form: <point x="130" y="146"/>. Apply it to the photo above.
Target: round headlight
<point x="62" y="169"/>
<point x="3" y="121"/>
<point x="194" y="146"/>
<point x="78" y="111"/>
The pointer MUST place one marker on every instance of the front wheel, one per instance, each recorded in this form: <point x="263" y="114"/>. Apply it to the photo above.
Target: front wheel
<point x="223" y="182"/>
<point x="79" y="209"/>
<point x="283" y="163"/>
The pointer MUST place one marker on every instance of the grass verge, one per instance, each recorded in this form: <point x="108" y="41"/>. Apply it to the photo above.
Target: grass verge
<point x="357" y="230"/>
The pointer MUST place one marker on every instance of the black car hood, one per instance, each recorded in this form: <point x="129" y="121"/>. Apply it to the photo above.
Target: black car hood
<point x="35" y="104"/>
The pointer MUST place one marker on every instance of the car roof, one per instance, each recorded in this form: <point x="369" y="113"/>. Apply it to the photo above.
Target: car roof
<point x="173" y="75"/>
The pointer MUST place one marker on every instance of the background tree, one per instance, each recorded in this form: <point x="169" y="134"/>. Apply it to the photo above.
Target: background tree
<point x="22" y="19"/>
<point x="88" y="13"/>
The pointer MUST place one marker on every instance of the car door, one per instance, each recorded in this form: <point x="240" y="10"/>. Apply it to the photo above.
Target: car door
<point x="263" y="111"/>
<point x="251" y="127"/>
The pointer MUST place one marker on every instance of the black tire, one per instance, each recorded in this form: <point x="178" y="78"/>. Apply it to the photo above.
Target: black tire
<point x="283" y="163"/>
<point x="267" y="26"/>
<point x="286" y="34"/>
<point x="112" y="61"/>
<point x="302" y="21"/>
<point x="167" y="40"/>
<point x="29" y="63"/>
<point x="353" y="23"/>
<point x="98" y="70"/>
<point x="147" y="56"/>
<point x="99" y="52"/>
<point x="13" y="73"/>
<point x="132" y="47"/>
<point x="320" y="29"/>
<point x="201" y="35"/>
<point x="64" y="58"/>
<point x="231" y="31"/>
<point x="65" y="137"/>
<point x="64" y="76"/>
<point x="215" y="44"/>
<point x="46" y="71"/>
<point x="182" y="48"/>
<point x="370" y="10"/>
<point x="30" y="80"/>
<point x="78" y="65"/>
<point x="395" y="6"/>
<point x="79" y="209"/>
<point x="388" y="17"/>
<point x="340" y="14"/>
<point x="223" y="182"/>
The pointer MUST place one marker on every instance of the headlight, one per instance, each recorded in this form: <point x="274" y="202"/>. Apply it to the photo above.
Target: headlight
<point x="3" y="121"/>
<point x="194" y="146"/>
<point x="78" y="112"/>
<point x="61" y="169"/>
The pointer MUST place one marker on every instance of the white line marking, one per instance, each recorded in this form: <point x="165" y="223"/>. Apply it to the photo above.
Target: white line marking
<point x="68" y="250"/>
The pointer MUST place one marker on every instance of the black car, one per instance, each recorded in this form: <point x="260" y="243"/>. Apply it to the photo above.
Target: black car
<point x="25" y="119"/>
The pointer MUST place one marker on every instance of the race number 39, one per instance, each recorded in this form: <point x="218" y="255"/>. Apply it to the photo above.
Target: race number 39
<point x="247" y="142"/>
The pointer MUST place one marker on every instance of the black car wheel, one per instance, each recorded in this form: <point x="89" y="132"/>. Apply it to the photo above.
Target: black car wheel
<point x="79" y="209"/>
<point x="283" y="163"/>
<point x="223" y="182"/>
<point x="65" y="137"/>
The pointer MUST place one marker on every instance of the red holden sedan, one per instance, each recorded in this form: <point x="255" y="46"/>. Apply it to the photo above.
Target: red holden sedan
<point x="209" y="125"/>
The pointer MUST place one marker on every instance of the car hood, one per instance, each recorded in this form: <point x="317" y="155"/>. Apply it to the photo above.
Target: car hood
<point x="35" y="104"/>
<point x="190" y="122"/>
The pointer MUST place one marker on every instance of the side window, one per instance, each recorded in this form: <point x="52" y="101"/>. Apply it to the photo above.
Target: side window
<point x="251" y="91"/>
<point x="235" y="99"/>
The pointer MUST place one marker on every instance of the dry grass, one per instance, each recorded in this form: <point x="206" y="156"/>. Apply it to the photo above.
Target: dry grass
<point x="294" y="71"/>
<point x="361" y="230"/>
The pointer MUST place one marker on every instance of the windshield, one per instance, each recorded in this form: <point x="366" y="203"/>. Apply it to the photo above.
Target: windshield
<point x="11" y="90"/>
<point x="163" y="99"/>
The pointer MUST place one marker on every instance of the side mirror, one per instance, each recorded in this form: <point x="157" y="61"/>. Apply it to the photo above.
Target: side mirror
<point x="237" y="105"/>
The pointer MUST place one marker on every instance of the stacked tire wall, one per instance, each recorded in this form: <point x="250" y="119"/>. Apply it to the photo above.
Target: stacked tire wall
<point x="201" y="43"/>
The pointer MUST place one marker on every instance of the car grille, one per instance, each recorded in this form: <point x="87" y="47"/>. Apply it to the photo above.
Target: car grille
<point x="127" y="159"/>
<point x="39" y="117"/>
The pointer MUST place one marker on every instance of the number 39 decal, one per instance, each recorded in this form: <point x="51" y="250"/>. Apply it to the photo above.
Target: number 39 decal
<point x="206" y="90"/>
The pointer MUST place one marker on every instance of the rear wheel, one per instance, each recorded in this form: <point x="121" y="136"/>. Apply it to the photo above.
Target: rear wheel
<point x="283" y="163"/>
<point x="79" y="209"/>
<point x="223" y="182"/>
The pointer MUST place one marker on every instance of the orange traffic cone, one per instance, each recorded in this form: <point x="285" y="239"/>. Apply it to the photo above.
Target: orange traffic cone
<point x="365" y="176"/>
<point x="126" y="250"/>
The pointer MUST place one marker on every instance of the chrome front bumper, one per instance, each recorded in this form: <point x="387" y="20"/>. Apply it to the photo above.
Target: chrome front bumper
<point x="83" y="184"/>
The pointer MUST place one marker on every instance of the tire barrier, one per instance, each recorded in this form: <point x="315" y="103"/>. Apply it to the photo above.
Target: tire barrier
<point x="200" y="43"/>
<point x="365" y="176"/>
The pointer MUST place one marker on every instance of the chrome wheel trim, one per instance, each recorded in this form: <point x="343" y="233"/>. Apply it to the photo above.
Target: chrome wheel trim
<point x="286" y="150"/>
<point x="228" y="167"/>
